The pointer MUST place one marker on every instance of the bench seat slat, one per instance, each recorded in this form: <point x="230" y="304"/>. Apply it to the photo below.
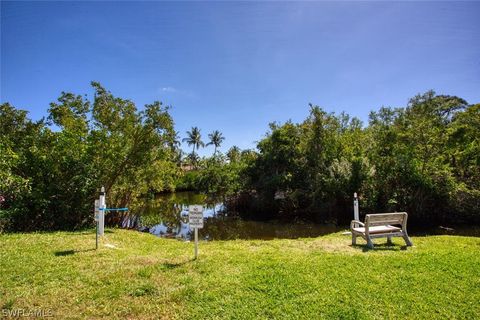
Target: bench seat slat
<point x="382" y="223"/>
<point x="382" y="235"/>
<point x="377" y="229"/>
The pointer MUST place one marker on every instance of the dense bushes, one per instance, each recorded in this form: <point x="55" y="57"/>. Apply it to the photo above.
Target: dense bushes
<point x="215" y="175"/>
<point x="50" y="175"/>
<point x="423" y="159"/>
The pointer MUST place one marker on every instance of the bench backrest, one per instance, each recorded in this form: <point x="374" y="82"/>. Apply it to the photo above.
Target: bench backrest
<point x="380" y="219"/>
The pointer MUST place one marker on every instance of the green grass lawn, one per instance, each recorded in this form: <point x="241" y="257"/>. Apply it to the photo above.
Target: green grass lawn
<point x="147" y="277"/>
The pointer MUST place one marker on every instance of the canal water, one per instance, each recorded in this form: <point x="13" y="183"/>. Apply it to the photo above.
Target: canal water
<point x="167" y="216"/>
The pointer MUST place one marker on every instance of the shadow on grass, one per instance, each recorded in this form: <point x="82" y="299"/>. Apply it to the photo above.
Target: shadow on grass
<point x="86" y="231"/>
<point x="381" y="247"/>
<point x="70" y="252"/>
<point x="170" y="265"/>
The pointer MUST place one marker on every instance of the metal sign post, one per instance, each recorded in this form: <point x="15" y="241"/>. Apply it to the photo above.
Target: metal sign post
<point x="99" y="215"/>
<point x="101" y="219"/>
<point x="355" y="209"/>
<point x="196" y="243"/>
<point x="96" y="217"/>
<point x="195" y="221"/>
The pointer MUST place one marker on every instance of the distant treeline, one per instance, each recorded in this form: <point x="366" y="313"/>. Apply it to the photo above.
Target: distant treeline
<point x="423" y="158"/>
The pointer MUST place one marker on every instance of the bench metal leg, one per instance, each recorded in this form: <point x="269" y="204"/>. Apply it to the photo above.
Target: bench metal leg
<point x="389" y="240"/>
<point x="407" y="239"/>
<point x="354" y="239"/>
<point x="369" y="243"/>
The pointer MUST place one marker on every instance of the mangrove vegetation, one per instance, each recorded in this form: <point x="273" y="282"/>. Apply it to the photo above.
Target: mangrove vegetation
<point x="423" y="158"/>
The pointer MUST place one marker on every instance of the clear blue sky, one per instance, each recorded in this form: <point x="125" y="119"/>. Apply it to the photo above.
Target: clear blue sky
<point x="238" y="66"/>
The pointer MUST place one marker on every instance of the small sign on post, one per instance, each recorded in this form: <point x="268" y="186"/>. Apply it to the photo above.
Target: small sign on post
<point x="195" y="221"/>
<point x="195" y="216"/>
<point x="97" y="210"/>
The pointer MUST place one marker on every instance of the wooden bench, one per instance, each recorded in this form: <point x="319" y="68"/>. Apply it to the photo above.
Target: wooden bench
<point x="381" y="225"/>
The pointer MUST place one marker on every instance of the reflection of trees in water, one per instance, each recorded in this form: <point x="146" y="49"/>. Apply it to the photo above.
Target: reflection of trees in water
<point x="122" y="219"/>
<point x="172" y="209"/>
<point x="226" y="228"/>
<point x="169" y="214"/>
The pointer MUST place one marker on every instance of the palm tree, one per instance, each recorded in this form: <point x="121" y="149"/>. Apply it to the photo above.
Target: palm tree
<point x="193" y="159"/>
<point x="194" y="138"/>
<point x="216" y="139"/>
<point x="173" y="141"/>
<point x="234" y="154"/>
<point x="176" y="139"/>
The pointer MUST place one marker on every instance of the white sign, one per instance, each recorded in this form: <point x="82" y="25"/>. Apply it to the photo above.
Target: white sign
<point x="97" y="210"/>
<point x="195" y="217"/>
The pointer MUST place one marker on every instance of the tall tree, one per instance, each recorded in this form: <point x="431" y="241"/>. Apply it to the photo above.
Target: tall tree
<point x="194" y="138"/>
<point x="216" y="139"/>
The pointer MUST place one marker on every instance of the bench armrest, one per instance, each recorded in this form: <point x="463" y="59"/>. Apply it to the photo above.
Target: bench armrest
<point x="356" y="222"/>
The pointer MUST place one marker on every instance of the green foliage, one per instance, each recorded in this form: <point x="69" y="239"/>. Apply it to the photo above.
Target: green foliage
<point x="215" y="175"/>
<point x="423" y="159"/>
<point x="220" y="177"/>
<point x="188" y="181"/>
<point x="50" y="178"/>
<point x="233" y="154"/>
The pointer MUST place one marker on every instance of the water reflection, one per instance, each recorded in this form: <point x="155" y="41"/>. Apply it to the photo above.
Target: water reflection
<point x="167" y="216"/>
